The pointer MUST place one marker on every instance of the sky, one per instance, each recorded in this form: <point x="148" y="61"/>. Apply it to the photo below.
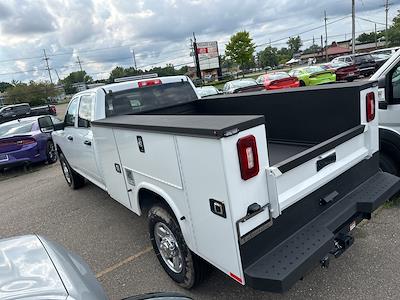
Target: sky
<point x="103" y="33"/>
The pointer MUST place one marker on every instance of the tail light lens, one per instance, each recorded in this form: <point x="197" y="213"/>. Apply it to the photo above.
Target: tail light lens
<point x="149" y="82"/>
<point x="370" y="106"/>
<point x="248" y="157"/>
<point x="26" y="142"/>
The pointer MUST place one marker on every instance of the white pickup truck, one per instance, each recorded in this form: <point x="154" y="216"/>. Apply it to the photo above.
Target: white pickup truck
<point x="263" y="186"/>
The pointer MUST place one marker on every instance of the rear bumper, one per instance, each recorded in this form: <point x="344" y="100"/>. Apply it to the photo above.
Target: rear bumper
<point x="292" y="256"/>
<point x="30" y="154"/>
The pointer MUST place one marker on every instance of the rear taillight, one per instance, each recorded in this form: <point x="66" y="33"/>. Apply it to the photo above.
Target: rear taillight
<point x="248" y="157"/>
<point x="370" y="106"/>
<point x="26" y="142"/>
<point x="149" y="82"/>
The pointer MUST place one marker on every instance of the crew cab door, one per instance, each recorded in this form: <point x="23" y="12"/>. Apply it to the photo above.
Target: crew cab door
<point x="83" y="139"/>
<point x="67" y="142"/>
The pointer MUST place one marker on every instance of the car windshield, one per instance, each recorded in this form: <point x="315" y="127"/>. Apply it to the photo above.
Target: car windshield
<point x="380" y="56"/>
<point x="276" y="76"/>
<point x="336" y="65"/>
<point x="363" y="58"/>
<point x="243" y="83"/>
<point x="16" y="127"/>
<point x="148" y="98"/>
<point x="313" y="69"/>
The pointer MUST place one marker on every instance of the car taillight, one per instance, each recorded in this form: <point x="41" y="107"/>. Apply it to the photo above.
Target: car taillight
<point x="26" y="142"/>
<point x="248" y="157"/>
<point x="149" y="82"/>
<point x="370" y="106"/>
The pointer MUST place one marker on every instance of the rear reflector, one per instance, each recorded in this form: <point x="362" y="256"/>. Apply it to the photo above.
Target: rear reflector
<point x="248" y="157"/>
<point x="149" y="82"/>
<point x="237" y="278"/>
<point x="370" y="106"/>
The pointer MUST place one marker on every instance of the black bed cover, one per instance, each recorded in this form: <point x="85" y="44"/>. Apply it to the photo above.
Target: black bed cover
<point x="192" y="125"/>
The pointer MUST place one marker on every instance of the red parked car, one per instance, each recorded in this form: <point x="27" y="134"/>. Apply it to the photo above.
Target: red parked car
<point x="278" y="80"/>
<point x="343" y="70"/>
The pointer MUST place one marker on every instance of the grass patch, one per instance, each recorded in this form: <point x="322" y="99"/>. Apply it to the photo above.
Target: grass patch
<point x="394" y="202"/>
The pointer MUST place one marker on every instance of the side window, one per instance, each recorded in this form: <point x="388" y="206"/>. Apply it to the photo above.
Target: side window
<point x="348" y="59"/>
<point x="85" y="111"/>
<point x="396" y="84"/>
<point x="71" y="113"/>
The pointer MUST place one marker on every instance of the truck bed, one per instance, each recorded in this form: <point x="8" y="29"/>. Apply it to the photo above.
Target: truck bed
<point x="279" y="152"/>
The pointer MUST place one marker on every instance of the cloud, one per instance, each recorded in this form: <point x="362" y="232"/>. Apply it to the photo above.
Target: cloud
<point x="27" y="18"/>
<point x="158" y="30"/>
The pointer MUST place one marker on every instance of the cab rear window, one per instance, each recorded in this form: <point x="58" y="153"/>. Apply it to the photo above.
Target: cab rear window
<point x="148" y="98"/>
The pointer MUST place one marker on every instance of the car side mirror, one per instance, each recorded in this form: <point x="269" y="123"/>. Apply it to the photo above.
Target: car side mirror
<point x="46" y="124"/>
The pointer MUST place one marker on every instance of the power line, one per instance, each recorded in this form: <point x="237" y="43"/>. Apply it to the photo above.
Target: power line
<point x="300" y="33"/>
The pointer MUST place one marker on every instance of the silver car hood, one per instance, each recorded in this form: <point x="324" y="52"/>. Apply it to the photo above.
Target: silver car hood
<point x="27" y="272"/>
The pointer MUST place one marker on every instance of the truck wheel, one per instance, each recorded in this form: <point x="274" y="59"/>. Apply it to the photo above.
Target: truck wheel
<point x="387" y="164"/>
<point x="183" y="266"/>
<point x="51" y="154"/>
<point x="74" y="180"/>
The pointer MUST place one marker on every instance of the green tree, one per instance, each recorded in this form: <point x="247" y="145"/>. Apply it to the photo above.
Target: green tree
<point x="370" y="37"/>
<point x="394" y="31"/>
<point x="4" y="86"/>
<point x="284" y="54"/>
<point x="268" y="57"/>
<point x="312" y="49"/>
<point x="241" y="49"/>
<point x="34" y="93"/>
<point x="75" y="77"/>
<point x="294" y="44"/>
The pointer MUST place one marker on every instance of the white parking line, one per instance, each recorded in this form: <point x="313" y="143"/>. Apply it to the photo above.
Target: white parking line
<point x="124" y="262"/>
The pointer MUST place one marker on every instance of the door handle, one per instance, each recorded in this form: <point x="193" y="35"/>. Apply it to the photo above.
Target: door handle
<point x="70" y="138"/>
<point x="88" y="143"/>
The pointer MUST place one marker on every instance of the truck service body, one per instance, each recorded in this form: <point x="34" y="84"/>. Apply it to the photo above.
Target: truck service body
<point x="263" y="185"/>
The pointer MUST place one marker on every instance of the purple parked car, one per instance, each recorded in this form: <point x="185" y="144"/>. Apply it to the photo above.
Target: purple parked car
<point x="23" y="142"/>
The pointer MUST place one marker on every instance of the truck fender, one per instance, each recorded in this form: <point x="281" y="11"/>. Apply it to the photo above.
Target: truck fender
<point x="389" y="145"/>
<point x="182" y="219"/>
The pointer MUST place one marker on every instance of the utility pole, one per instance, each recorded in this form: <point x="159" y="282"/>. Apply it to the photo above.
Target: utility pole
<point x="326" y="37"/>
<point x="386" y="27"/>
<point x="196" y="56"/>
<point x="134" y="58"/>
<point x="353" y="26"/>
<point x="78" y="61"/>
<point x="47" y="65"/>
<point x="376" y="39"/>
<point x="57" y="75"/>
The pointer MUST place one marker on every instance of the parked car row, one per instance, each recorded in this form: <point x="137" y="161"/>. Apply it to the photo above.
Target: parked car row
<point x="16" y="111"/>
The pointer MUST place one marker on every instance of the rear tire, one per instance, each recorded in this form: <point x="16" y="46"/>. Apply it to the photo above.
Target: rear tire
<point x="165" y="234"/>
<point x="73" y="179"/>
<point x="51" y="153"/>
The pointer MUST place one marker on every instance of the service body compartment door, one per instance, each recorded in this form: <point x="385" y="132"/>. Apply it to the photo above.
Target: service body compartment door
<point x="110" y="164"/>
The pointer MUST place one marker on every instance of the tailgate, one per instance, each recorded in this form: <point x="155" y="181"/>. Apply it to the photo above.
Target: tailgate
<point x="299" y="175"/>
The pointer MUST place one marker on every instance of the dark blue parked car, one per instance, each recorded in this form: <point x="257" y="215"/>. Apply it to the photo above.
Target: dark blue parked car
<point x="23" y="142"/>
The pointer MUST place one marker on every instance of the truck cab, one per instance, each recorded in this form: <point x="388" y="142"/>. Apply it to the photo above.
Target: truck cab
<point x="388" y="77"/>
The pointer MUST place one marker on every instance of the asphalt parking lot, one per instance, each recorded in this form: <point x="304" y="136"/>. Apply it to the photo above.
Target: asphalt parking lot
<point x="115" y="244"/>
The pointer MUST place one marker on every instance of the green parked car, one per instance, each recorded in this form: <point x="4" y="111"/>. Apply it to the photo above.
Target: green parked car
<point x="313" y="75"/>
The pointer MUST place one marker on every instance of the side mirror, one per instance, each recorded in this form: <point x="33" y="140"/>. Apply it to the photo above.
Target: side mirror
<point x="46" y="124"/>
